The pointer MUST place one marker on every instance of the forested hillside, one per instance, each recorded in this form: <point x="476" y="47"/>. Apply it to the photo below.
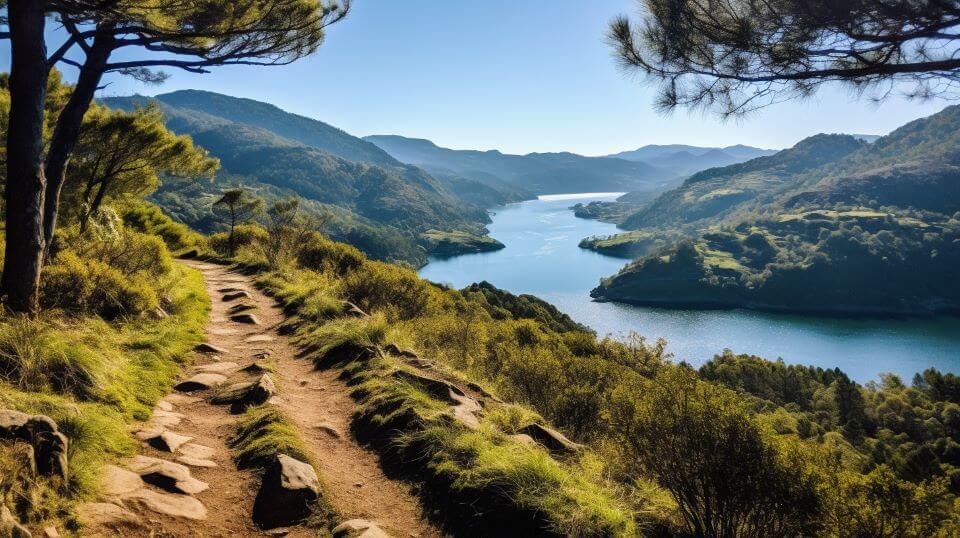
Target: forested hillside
<point x="821" y="215"/>
<point x="382" y="208"/>
<point x="539" y="173"/>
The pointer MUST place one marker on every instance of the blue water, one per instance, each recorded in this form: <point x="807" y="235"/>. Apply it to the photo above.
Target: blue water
<point x="542" y="258"/>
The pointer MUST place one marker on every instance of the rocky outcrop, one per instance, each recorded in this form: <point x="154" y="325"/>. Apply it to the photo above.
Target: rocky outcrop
<point x="201" y="382"/>
<point x="41" y="432"/>
<point x="249" y="319"/>
<point x="241" y="396"/>
<point x="551" y="439"/>
<point x="209" y="348"/>
<point x="287" y="493"/>
<point x="237" y="294"/>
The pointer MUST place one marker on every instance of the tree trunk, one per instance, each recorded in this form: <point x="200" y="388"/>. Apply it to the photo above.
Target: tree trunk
<point x="94" y="206"/>
<point x="67" y="130"/>
<point x="23" y="259"/>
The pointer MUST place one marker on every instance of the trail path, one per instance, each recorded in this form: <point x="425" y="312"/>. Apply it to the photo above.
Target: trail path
<point x="315" y="401"/>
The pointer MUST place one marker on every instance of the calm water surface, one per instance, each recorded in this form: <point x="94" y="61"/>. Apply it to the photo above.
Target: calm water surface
<point x="542" y="258"/>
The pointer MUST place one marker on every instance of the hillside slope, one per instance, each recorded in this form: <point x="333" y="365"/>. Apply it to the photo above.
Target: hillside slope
<point x="832" y="225"/>
<point x="396" y="201"/>
<point x="541" y="173"/>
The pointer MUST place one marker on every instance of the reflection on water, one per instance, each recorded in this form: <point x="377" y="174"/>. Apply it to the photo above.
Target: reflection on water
<point x="542" y="258"/>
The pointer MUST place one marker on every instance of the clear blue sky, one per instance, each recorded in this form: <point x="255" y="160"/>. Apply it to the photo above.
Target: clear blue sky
<point x="519" y="76"/>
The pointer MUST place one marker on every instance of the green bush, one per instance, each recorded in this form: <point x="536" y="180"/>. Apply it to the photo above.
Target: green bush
<point x="244" y="235"/>
<point x="148" y="218"/>
<point x="324" y="255"/>
<point x="91" y="286"/>
<point x="396" y="290"/>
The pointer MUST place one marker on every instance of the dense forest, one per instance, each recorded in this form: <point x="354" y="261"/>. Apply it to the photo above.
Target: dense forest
<point x="820" y="215"/>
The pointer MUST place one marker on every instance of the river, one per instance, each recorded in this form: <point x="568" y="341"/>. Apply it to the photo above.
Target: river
<point x="542" y="258"/>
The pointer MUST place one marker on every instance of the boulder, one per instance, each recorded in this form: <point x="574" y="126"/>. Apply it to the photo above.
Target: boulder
<point x="167" y="441"/>
<point x="10" y="527"/>
<point x="241" y="307"/>
<point x="346" y="353"/>
<point x="438" y="388"/>
<point x="358" y="528"/>
<point x="233" y="296"/>
<point x="49" y="445"/>
<point x="551" y="439"/>
<point x="249" y="319"/>
<point x="398" y="351"/>
<point x="287" y="493"/>
<point x="201" y="382"/>
<point x="208" y="348"/>
<point x="241" y="396"/>
<point x="167" y="475"/>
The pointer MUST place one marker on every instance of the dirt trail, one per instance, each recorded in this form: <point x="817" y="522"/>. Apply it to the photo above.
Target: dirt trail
<point x="318" y="404"/>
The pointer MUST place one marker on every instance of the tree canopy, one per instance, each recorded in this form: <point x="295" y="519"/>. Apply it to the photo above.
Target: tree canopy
<point x="734" y="56"/>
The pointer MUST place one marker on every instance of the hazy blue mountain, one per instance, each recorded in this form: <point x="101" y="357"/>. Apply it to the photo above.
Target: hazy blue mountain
<point x="683" y="160"/>
<point x="541" y="173"/>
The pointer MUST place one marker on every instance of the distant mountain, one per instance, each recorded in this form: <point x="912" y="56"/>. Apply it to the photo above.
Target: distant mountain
<point x="683" y="160"/>
<point x="278" y="153"/>
<point x="541" y="173"/>
<point x="834" y="224"/>
<point x="713" y="192"/>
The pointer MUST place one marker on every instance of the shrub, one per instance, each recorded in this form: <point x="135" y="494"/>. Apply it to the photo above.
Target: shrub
<point x="92" y="286"/>
<point x="380" y="286"/>
<point x="324" y="255"/>
<point x="150" y="219"/>
<point x="129" y="252"/>
<point x="244" y="235"/>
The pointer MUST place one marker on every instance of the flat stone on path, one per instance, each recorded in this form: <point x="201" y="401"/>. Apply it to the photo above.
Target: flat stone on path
<point x="358" y="528"/>
<point x="329" y="429"/>
<point x="249" y="319"/>
<point x="196" y="462"/>
<point x="165" y="419"/>
<point x="118" y="481"/>
<point x="183" y="506"/>
<point x="224" y="367"/>
<point x="180" y="399"/>
<point x="168" y="441"/>
<point x="201" y="382"/>
<point x="109" y="515"/>
<point x="241" y="294"/>
<point x="197" y="451"/>
<point x="167" y="475"/>
<point x="208" y="348"/>
<point x="164" y="405"/>
<point x="260" y="338"/>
